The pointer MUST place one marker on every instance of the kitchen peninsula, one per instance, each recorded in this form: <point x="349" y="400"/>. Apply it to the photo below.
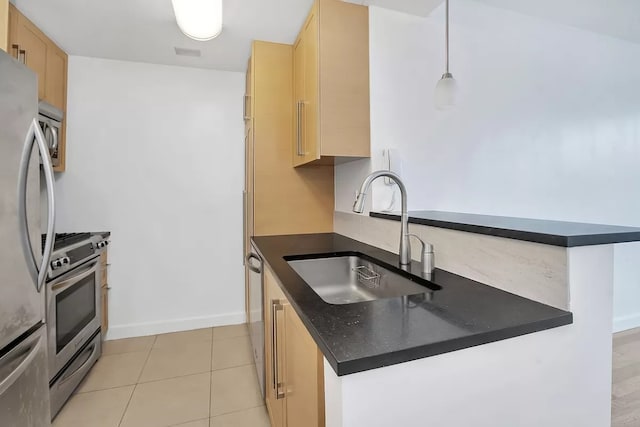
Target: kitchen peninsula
<point x="519" y="330"/>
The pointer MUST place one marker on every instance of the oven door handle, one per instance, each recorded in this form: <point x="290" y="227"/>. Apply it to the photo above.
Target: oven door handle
<point x="85" y="272"/>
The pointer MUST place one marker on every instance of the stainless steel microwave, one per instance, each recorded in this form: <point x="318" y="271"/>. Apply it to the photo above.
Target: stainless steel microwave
<point x="50" y="119"/>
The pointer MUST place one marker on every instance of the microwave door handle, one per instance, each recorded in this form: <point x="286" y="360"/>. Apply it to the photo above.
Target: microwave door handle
<point x="54" y="134"/>
<point x="51" y="204"/>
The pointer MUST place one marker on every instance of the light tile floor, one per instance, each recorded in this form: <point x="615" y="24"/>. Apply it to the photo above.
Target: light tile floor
<point x="205" y="378"/>
<point x="201" y="378"/>
<point x="625" y="402"/>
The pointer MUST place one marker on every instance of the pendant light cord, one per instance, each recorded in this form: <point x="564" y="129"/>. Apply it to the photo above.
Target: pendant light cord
<point x="447" y="36"/>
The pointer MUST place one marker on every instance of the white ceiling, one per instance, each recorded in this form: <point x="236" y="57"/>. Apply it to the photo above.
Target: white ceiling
<point x="617" y="18"/>
<point x="414" y="7"/>
<point x="146" y="31"/>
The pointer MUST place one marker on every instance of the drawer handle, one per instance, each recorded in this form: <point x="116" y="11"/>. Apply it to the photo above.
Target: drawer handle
<point x="91" y="351"/>
<point x="16" y="48"/>
<point x="22" y="56"/>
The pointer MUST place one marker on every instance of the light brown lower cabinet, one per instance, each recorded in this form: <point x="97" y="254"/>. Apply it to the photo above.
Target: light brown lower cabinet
<point x="105" y="310"/>
<point x="104" y="294"/>
<point x="294" y="365"/>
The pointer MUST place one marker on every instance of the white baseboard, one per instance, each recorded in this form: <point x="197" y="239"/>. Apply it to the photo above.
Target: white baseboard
<point x="177" y="325"/>
<point x="623" y="323"/>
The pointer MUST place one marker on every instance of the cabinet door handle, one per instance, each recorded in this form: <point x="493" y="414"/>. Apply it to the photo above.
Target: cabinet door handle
<point x="246" y="107"/>
<point x="244" y="227"/>
<point x="22" y="56"/>
<point x="276" y="306"/>
<point x="300" y="106"/>
<point x="16" y="48"/>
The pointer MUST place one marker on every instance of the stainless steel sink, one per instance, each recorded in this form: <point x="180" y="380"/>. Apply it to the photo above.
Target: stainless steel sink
<point x="349" y="279"/>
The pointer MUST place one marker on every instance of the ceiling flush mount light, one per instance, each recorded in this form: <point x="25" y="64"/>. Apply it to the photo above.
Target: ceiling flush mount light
<point x="199" y="19"/>
<point x="447" y="88"/>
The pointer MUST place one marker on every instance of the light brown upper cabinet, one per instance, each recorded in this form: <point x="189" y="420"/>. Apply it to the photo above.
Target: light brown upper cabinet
<point x="32" y="47"/>
<point x="331" y="84"/>
<point x="55" y="91"/>
<point x="4" y="25"/>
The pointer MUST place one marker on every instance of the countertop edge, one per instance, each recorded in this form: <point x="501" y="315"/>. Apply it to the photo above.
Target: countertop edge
<point x="406" y="355"/>
<point x="390" y="359"/>
<point x="523" y="235"/>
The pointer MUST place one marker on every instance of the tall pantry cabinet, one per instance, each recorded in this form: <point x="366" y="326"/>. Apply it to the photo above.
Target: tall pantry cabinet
<point x="278" y="199"/>
<point x="281" y="199"/>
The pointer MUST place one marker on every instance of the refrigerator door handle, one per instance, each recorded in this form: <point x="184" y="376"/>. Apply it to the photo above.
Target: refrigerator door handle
<point x="51" y="211"/>
<point x="27" y="358"/>
<point x="38" y="273"/>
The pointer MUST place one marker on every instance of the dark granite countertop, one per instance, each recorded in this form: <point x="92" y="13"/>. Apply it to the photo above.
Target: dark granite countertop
<point x="556" y="233"/>
<point x="368" y="335"/>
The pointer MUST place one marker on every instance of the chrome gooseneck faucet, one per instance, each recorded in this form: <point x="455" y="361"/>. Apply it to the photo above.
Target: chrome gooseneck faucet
<point x="405" y="247"/>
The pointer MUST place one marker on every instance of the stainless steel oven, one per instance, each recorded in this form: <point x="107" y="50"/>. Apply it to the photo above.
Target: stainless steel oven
<point x="73" y="312"/>
<point x="63" y="385"/>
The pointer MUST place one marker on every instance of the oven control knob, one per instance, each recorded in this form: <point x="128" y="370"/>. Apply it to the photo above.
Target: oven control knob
<point x="57" y="263"/>
<point x="66" y="260"/>
<point x="100" y="245"/>
<point x="106" y="243"/>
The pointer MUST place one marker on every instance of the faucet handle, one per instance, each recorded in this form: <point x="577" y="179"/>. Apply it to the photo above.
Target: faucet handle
<point x="427" y="257"/>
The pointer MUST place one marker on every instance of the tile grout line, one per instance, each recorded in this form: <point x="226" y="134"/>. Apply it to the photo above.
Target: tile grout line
<point x="154" y="381"/>
<point x="211" y="377"/>
<point x="136" y="385"/>
<point x="220" y="342"/>
<point x="238" y="410"/>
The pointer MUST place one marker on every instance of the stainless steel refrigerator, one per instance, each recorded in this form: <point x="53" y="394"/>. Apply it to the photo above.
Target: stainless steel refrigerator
<point x="24" y="380"/>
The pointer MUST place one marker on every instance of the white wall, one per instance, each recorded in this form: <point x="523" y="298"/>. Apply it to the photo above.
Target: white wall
<point x="155" y="156"/>
<point x="548" y="123"/>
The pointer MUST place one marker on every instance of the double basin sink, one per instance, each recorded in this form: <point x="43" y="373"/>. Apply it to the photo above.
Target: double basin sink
<point x="351" y="277"/>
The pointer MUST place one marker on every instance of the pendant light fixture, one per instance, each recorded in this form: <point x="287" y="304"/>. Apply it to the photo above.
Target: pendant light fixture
<point x="199" y="19"/>
<point x="447" y="88"/>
